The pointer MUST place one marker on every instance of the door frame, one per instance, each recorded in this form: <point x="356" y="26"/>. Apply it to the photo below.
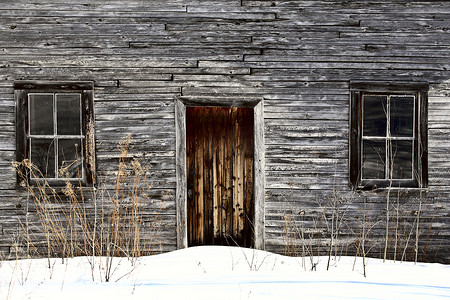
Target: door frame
<point x="258" y="160"/>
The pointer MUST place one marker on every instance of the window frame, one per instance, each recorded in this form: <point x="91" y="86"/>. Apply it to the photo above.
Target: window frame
<point x="420" y="139"/>
<point x="22" y="90"/>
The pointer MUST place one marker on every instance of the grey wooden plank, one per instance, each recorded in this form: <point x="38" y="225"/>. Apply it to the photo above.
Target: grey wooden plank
<point x="324" y="141"/>
<point x="94" y="29"/>
<point x="132" y="6"/>
<point x="97" y="73"/>
<point x="110" y="163"/>
<point x="133" y="3"/>
<point x="329" y="65"/>
<point x="189" y="83"/>
<point x="397" y="38"/>
<point x="118" y="105"/>
<point x="259" y="176"/>
<point x="75" y="40"/>
<point x="146" y="90"/>
<point x="258" y="90"/>
<point x="369" y="50"/>
<point x="335" y="4"/>
<point x="350" y="58"/>
<point x="278" y="25"/>
<point x="98" y="61"/>
<point x="374" y="8"/>
<point x="181" y="176"/>
<point x="7" y="141"/>
<point x="290" y="136"/>
<point x="307" y="115"/>
<point x="114" y="73"/>
<point x="306" y="74"/>
<point x="215" y="51"/>
<point x="313" y="183"/>
<point x="143" y="150"/>
<point x="371" y="25"/>
<point x="160" y="15"/>
<point x="108" y="136"/>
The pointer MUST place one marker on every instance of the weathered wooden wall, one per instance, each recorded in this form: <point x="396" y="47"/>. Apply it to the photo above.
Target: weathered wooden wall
<point x="298" y="56"/>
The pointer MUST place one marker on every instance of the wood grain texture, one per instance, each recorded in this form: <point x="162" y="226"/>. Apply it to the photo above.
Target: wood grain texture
<point x="220" y="141"/>
<point x="291" y="62"/>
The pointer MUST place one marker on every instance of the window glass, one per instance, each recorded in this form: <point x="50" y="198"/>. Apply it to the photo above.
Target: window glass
<point x="402" y="116"/>
<point x="69" y="158"/>
<point x="68" y="107"/>
<point x="59" y="156"/>
<point x="41" y="114"/>
<point x="374" y="115"/>
<point x="374" y="159"/>
<point x="402" y="159"/>
<point x="388" y="120"/>
<point x="43" y="156"/>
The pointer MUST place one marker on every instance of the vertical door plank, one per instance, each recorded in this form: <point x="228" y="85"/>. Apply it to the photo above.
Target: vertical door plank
<point x="238" y="175"/>
<point x="207" y="176"/>
<point x="190" y="173"/>
<point x="234" y="136"/>
<point x="199" y="181"/>
<point x="223" y="179"/>
<point x="241" y="173"/>
<point x="188" y="180"/>
<point x="248" y="152"/>
<point x="229" y="175"/>
<point x="216" y="176"/>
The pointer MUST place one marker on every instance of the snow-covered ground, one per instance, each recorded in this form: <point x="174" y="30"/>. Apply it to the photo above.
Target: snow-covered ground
<point x="222" y="273"/>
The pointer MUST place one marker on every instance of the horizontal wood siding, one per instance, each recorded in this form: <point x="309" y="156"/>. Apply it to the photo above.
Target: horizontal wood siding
<point x="297" y="56"/>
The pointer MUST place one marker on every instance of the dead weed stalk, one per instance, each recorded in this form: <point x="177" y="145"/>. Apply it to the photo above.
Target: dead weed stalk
<point x="80" y="221"/>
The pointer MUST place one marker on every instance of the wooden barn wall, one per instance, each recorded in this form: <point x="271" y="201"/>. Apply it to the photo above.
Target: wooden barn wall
<point x="298" y="56"/>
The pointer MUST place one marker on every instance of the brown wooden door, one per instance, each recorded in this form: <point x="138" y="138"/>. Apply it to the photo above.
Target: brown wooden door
<point x="219" y="150"/>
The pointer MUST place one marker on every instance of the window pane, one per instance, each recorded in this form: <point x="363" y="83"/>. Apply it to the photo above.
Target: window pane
<point x="374" y="115"/>
<point x="68" y="107"/>
<point x="402" y="116"/>
<point x="43" y="157"/>
<point x="41" y="114"/>
<point x="69" y="158"/>
<point x="402" y="159"/>
<point x="374" y="157"/>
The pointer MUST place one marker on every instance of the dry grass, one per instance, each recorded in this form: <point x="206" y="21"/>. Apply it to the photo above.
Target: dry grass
<point x="80" y="221"/>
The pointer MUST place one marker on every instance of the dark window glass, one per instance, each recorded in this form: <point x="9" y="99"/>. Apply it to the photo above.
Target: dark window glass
<point x="402" y="116"/>
<point x="377" y="123"/>
<point x="68" y="107"/>
<point x="374" y="159"/>
<point x="66" y="161"/>
<point x="69" y="158"/>
<point x="43" y="156"/>
<point x="374" y="115"/>
<point x="401" y="158"/>
<point x="41" y="114"/>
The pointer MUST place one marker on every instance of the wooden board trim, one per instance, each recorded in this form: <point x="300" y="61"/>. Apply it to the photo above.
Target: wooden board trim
<point x="259" y="180"/>
<point x="181" y="176"/>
